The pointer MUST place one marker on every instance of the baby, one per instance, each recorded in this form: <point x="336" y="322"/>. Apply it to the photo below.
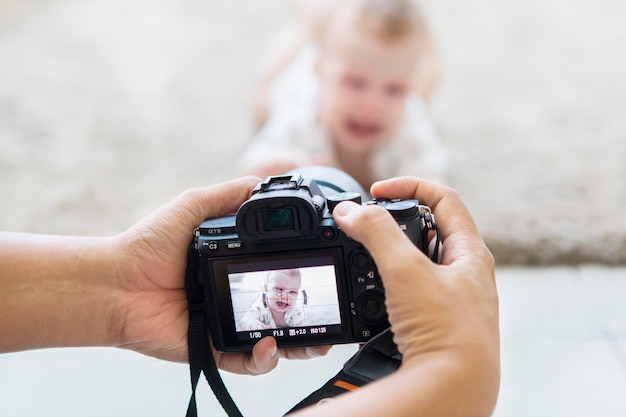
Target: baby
<point x="276" y="307"/>
<point x="350" y="94"/>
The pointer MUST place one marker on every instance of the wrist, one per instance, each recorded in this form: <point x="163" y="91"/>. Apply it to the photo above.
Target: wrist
<point x="66" y="298"/>
<point x="468" y="372"/>
<point x="87" y="293"/>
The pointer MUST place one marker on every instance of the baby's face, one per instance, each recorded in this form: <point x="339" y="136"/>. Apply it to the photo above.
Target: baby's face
<point x="282" y="291"/>
<point x="364" y="83"/>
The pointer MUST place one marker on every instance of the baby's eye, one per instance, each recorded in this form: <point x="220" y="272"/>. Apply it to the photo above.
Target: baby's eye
<point x="293" y="293"/>
<point x="354" y="82"/>
<point x="395" y="90"/>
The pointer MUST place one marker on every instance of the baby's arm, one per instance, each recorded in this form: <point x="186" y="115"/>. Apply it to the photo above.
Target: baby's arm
<point x="295" y="317"/>
<point x="271" y="168"/>
<point x="264" y="158"/>
<point x="280" y="146"/>
<point x="255" y="319"/>
<point x="250" y="322"/>
<point x="281" y="52"/>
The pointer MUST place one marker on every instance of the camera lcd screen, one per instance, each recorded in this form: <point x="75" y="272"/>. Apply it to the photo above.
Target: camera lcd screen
<point x="294" y="298"/>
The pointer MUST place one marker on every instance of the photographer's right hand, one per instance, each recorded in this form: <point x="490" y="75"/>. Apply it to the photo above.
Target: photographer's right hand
<point x="444" y="317"/>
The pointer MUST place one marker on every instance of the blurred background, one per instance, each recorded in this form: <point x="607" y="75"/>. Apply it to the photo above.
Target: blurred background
<point x="109" y="109"/>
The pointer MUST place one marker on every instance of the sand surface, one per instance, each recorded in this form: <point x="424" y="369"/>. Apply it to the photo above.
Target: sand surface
<point x="108" y="109"/>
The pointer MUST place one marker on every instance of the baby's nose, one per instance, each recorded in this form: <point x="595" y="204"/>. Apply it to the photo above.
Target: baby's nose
<point x="371" y="103"/>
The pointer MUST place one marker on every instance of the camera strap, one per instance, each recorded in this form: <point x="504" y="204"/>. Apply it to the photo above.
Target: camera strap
<point x="201" y="358"/>
<point x="376" y="359"/>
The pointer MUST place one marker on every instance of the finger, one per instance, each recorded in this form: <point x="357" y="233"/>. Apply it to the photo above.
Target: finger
<point x="309" y="352"/>
<point x="264" y="356"/>
<point x="442" y="200"/>
<point x="406" y="187"/>
<point x="374" y="227"/>
<point x="458" y="229"/>
<point x="262" y="359"/>
<point x="196" y="205"/>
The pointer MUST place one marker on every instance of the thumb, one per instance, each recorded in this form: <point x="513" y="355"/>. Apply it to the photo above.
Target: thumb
<point x="376" y="229"/>
<point x="196" y="205"/>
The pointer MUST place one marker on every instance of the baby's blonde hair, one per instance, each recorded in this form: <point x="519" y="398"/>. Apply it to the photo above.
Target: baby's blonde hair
<point x="388" y="21"/>
<point x="291" y="273"/>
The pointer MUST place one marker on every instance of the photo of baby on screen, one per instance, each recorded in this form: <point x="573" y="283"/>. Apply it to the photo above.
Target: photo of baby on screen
<point x="281" y="298"/>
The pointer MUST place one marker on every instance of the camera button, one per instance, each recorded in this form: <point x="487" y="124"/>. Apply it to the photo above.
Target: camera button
<point x="329" y="233"/>
<point x="361" y="259"/>
<point x="333" y="200"/>
<point x="402" y="209"/>
<point x="210" y="245"/>
<point x="235" y="244"/>
<point x="370" y="307"/>
<point x="373" y="307"/>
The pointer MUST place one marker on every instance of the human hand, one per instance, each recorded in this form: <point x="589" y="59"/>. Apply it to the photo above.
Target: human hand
<point x="446" y="313"/>
<point x="150" y="314"/>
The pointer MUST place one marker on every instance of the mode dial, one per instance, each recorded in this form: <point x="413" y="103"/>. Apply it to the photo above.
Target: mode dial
<point x="333" y="200"/>
<point x="402" y="209"/>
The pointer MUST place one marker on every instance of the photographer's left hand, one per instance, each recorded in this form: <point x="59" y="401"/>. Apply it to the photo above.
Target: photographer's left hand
<point x="156" y="306"/>
<point x="125" y="291"/>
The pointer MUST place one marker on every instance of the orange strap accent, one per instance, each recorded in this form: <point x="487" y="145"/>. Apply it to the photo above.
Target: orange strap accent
<point x="345" y="385"/>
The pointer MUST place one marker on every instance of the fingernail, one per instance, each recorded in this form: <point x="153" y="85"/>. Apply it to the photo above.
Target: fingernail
<point x="313" y="352"/>
<point x="274" y="351"/>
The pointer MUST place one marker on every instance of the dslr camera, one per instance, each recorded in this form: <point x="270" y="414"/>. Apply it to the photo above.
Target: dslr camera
<point x="282" y="267"/>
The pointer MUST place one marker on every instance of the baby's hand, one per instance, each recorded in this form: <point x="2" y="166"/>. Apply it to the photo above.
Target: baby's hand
<point x="326" y="160"/>
<point x="273" y="168"/>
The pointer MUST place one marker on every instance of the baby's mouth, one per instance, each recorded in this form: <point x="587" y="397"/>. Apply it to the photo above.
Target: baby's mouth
<point x="281" y="304"/>
<point x="363" y="130"/>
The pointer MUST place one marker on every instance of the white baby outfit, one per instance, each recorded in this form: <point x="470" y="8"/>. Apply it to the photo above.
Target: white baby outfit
<point x="259" y="317"/>
<point x="293" y="133"/>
